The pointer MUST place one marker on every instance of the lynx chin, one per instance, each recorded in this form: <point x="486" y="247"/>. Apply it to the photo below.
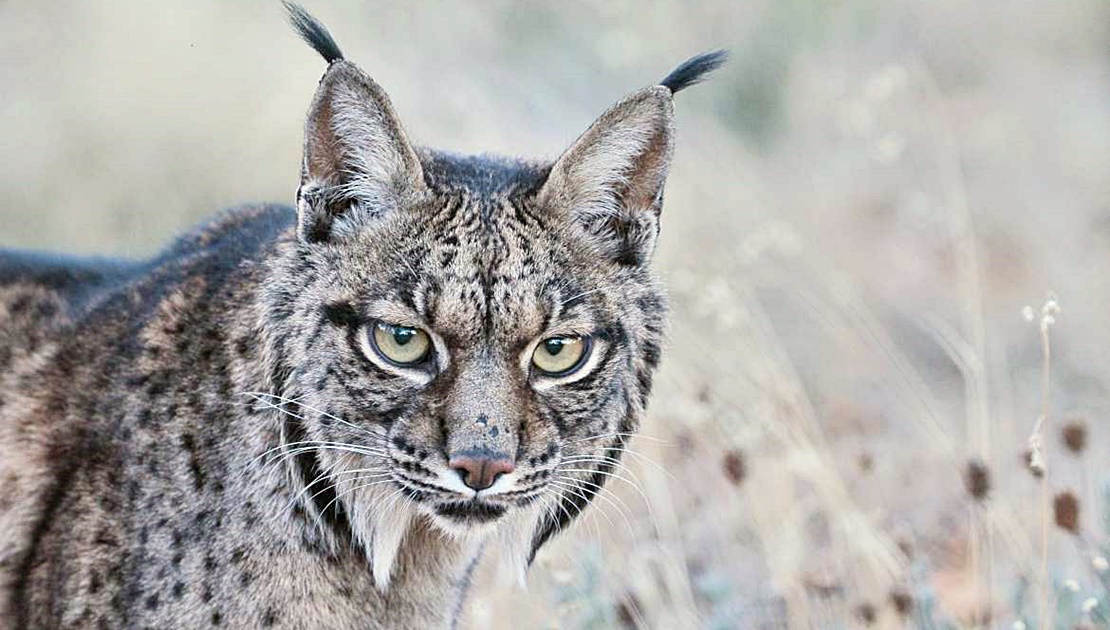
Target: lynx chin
<point x="321" y="416"/>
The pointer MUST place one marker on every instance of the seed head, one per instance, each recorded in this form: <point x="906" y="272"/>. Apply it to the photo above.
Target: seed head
<point x="1065" y="507"/>
<point x="735" y="467"/>
<point x="1074" y="435"/>
<point x="866" y="613"/>
<point x="866" y="463"/>
<point x="705" y="395"/>
<point x="977" y="480"/>
<point x="902" y="602"/>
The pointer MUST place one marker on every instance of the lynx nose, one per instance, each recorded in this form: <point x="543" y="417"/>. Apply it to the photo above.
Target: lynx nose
<point x="480" y="468"/>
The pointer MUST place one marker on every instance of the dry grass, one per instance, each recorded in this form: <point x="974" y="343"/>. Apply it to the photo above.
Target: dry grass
<point x="860" y="207"/>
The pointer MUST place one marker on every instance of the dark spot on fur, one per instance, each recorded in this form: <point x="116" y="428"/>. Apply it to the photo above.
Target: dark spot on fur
<point x="106" y="537"/>
<point x="188" y="442"/>
<point x="341" y="314"/>
<point x="651" y="353"/>
<point x="21" y="304"/>
<point x="157" y="386"/>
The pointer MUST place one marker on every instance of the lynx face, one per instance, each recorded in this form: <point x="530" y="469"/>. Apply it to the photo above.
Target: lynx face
<point x="481" y="354"/>
<point x="468" y="341"/>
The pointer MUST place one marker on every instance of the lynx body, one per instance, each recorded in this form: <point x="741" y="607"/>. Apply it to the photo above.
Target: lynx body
<point x="320" y="416"/>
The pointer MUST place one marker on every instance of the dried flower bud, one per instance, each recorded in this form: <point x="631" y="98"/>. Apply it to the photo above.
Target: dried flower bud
<point x="866" y="463"/>
<point x="1074" y="435"/>
<point x="735" y="467"/>
<point x="866" y="613"/>
<point x="705" y="395"/>
<point x="902" y="602"/>
<point x="977" y="480"/>
<point x="1065" y="507"/>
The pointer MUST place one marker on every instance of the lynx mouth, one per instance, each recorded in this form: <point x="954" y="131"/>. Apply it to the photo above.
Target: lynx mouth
<point x="470" y="512"/>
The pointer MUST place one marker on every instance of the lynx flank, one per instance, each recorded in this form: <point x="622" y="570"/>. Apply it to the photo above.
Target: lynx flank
<point x="320" y="417"/>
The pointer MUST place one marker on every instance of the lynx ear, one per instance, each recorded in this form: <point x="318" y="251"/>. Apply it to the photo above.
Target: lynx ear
<point x="611" y="178"/>
<point x="357" y="161"/>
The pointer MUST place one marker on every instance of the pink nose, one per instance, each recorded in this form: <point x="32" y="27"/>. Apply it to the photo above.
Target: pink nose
<point x="479" y="469"/>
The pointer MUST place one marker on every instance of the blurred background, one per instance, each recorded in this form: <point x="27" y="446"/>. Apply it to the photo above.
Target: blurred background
<point x="885" y="220"/>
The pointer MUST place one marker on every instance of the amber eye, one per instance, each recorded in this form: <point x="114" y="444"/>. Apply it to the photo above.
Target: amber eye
<point x="400" y="345"/>
<point x="559" y="356"/>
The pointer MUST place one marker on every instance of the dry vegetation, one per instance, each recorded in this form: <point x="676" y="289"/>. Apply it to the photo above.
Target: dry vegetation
<point x="853" y="409"/>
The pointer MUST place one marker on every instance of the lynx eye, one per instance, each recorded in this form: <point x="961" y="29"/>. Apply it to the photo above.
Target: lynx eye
<point x="400" y="345"/>
<point x="559" y="356"/>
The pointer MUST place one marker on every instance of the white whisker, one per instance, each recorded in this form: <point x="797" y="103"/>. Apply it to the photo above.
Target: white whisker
<point x="619" y="434"/>
<point x="259" y="397"/>
<point x="577" y="491"/>
<point x="622" y="509"/>
<point x="634" y="485"/>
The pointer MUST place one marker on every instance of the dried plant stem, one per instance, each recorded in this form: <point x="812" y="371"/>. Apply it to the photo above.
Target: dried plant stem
<point x="975" y="547"/>
<point x="1043" y="429"/>
<point x="966" y="250"/>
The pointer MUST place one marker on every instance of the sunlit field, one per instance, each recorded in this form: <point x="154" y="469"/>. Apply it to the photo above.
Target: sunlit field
<point x="886" y="238"/>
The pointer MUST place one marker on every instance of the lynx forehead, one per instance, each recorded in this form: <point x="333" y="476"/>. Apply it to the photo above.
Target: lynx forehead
<point x="318" y="417"/>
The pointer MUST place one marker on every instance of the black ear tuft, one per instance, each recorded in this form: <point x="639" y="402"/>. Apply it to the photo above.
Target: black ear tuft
<point x="313" y="32"/>
<point x="694" y="70"/>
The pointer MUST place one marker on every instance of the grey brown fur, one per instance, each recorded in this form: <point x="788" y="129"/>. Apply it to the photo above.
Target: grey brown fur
<point x="204" y="440"/>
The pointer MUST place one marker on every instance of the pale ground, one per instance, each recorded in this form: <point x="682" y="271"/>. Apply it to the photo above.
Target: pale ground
<point x="861" y="205"/>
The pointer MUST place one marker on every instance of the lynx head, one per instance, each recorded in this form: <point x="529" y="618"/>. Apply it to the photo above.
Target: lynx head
<point x="468" y="341"/>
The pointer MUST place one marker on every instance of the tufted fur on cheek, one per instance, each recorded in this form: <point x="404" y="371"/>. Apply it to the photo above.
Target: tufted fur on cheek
<point x="611" y="179"/>
<point x="358" y="164"/>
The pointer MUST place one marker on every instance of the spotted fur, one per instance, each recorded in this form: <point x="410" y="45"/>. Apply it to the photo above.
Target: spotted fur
<point x="203" y="439"/>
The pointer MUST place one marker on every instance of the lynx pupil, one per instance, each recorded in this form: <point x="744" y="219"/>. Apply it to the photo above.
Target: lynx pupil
<point x="401" y="336"/>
